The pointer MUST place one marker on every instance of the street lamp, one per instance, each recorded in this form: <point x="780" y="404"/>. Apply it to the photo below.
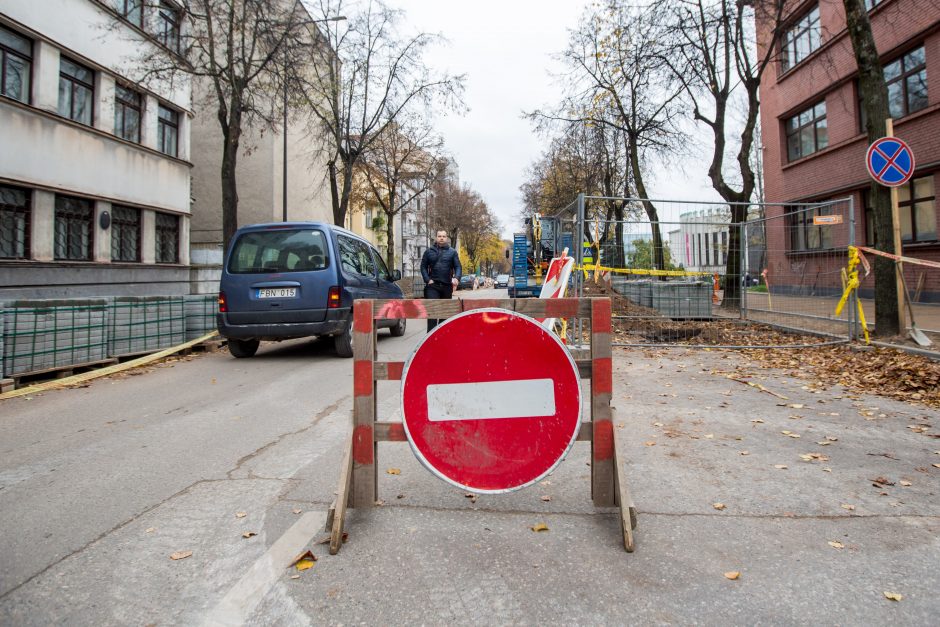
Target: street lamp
<point x="338" y="18"/>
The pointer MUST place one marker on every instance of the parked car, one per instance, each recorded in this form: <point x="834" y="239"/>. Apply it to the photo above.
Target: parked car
<point x="466" y="282"/>
<point x="299" y="279"/>
<point x="502" y="280"/>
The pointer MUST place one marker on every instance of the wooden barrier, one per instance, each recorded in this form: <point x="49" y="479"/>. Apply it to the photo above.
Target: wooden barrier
<point x="358" y="483"/>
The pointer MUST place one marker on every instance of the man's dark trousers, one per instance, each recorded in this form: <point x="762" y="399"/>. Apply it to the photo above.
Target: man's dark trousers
<point x="435" y="290"/>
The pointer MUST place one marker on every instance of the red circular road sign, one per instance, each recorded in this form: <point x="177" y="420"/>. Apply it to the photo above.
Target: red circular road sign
<point x="491" y="401"/>
<point x="890" y="161"/>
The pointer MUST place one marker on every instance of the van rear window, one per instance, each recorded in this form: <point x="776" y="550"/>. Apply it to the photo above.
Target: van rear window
<point x="280" y="250"/>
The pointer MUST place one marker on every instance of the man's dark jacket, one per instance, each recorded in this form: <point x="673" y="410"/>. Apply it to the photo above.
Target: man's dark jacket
<point x="440" y="263"/>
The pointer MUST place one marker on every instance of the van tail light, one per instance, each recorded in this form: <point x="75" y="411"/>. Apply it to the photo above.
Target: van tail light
<point x="333" y="298"/>
<point x="223" y="306"/>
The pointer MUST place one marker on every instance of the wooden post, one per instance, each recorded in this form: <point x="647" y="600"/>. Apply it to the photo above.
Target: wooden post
<point x="602" y="443"/>
<point x="896" y="224"/>
<point x="364" y="476"/>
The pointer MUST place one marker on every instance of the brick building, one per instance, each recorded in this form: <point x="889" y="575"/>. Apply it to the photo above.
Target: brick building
<point x="814" y="138"/>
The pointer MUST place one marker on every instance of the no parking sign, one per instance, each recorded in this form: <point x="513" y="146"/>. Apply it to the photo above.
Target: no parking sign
<point x="890" y="161"/>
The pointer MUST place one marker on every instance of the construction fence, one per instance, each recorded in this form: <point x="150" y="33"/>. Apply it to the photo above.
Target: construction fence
<point x="711" y="274"/>
<point x="39" y="336"/>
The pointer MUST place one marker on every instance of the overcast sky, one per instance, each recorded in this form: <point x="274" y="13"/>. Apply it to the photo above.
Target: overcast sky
<point x="505" y="48"/>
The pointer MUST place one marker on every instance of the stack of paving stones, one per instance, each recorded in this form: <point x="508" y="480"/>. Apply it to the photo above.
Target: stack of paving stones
<point x="142" y="324"/>
<point x="200" y="312"/>
<point x="682" y="300"/>
<point x="640" y="292"/>
<point x="43" y="335"/>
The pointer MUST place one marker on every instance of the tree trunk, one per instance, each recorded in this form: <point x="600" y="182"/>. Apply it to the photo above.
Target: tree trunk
<point x="874" y="95"/>
<point x="659" y="261"/>
<point x="339" y="217"/>
<point x="231" y="136"/>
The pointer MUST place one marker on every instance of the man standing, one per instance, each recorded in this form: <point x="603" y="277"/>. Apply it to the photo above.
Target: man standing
<point x="440" y="269"/>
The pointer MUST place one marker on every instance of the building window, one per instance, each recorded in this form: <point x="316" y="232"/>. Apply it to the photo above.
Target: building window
<point x="14" y="223"/>
<point x="807" y="132"/>
<point x="168" y="238"/>
<point x="801" y="39"/>
<point x="127" y="114"/>
<point x="125" y="234"/>
<point x="131" y="10"/>
<point x="907" y="83"/>
<point x="168" y="129"/>
<point x="73" y="228"/>
<point x="168" y="25"/>
<point x="917" y="209"/>
<point x="803" y="234"/>
<point x="16" y="53"/>
<point x="76" y="91"/>
<point x="871" y="4"/>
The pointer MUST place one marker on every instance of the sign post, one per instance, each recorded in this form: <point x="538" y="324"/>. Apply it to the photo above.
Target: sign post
<point x="890" y="161"/>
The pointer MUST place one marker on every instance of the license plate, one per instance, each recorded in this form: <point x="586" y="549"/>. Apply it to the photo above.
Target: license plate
<point x="277" y="292"/>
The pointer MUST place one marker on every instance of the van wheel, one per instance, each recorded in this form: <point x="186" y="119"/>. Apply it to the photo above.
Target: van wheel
<point x="399" y="329"/>
<point x="243" y="348"/>
<point x="343" y="343"/>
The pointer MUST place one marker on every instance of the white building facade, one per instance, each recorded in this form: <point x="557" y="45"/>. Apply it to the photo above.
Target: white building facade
<point x="95" y="167"/>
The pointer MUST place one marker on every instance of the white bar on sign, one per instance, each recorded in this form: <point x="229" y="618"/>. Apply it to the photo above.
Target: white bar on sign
<point x="491" y="399"/>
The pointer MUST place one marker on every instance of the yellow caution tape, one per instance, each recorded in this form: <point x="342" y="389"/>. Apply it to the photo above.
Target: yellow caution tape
<point x="639" y="271"/>
<point x="851" y="287"/>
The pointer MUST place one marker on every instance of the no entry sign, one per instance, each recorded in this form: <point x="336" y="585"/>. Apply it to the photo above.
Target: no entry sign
<point x="890" y="161"/>
<point x="491" y="401"/>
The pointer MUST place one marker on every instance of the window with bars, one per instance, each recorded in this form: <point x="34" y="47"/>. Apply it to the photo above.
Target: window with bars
<point x="16" y="53"/>
<point x="131" y="10"/>
<point x="76" y="91"/>
<point x="125" y="233"/>
<point x="127" y="109"/>
<point x="804" y="235"/>
<point x="168" y="25"/>
<point x="74" y="218"/>
<point x="801" y="39"/>
<point x="14" y="223"/>
<point x="168" y="238"/>
<point x="168" y="123"/>
<point x="807" y="132"/>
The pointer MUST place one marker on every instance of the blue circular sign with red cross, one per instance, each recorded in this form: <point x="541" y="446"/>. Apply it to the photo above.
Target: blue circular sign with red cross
<point x="890" y="161"/>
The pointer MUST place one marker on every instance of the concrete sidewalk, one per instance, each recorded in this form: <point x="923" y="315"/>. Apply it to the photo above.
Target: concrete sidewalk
<point x="814" y="541"/>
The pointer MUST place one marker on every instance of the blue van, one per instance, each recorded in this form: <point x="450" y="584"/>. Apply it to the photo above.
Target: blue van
<point x="299" y="279"/>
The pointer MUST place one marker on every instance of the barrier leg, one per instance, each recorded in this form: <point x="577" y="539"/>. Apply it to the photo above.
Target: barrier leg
<point x="602" y="441"/>
<point x="364" y="482"/>
<point x="628" y="519"/>
<point x="337" y="513"/>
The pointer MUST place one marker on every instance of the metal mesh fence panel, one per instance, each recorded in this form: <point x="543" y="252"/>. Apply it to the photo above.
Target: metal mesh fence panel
<point x="704" y="274"/>
<point x="794" y="266"/>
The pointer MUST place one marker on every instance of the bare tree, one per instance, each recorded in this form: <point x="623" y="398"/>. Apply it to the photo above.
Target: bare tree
<point x="244" y="51"/>
<point x="400" y="167"/>
<point x="479" y="231"/>
<point x="617" y="81"/>
<point x="377" y="76"/>
<point x="453" y="208"/>
<point x="709" y="47"/>
<point x="874" y="96"/>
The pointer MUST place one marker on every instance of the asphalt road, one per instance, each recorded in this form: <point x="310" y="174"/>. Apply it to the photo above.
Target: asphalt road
<point x="100" y="485"/>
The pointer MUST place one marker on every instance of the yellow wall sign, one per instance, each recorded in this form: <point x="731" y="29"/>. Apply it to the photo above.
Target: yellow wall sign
<point x="823" y="220"/>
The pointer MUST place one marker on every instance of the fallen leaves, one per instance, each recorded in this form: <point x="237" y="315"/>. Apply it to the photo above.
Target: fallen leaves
<point x="733" y="575"/>
<point x="539" y="527"/>
<point x="836" y="545"/>
<point x="848" y="507"/>
<point x="718" y="506"/>
<point x="879" y="482"/>
<point x="811" y="457"/>
<point x="546" y="498"/>
<point x="649" y="443"/>
<point x="240" y="514"/>
<point x="180" y="555"/>
<point x="893" y="596"/>
<point x="780" y="466"/>
<point x="393" y="471"/>
<point x="304" y="560"/>
<point x="249" y="534"/>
